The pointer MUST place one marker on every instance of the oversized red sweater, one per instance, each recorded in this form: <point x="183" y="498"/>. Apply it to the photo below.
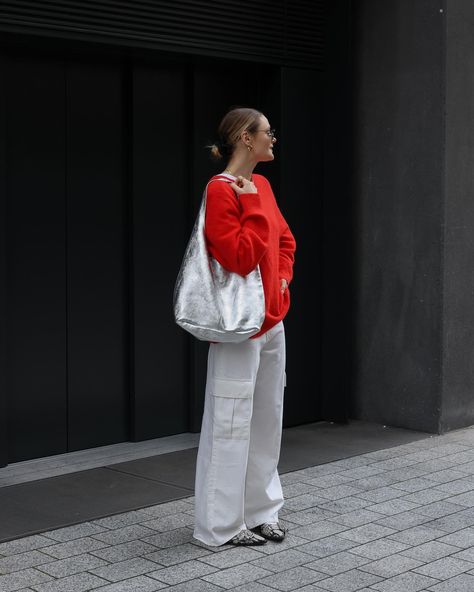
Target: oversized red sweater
<point x="249" y="230"/>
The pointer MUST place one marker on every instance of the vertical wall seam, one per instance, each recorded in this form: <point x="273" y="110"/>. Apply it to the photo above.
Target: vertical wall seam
<point x="3" y="269"/>
<point x="66" y="244"/>
<point x="442" y="222"/>
<point x="129" y="270"/>
<point x="190" y="345"/>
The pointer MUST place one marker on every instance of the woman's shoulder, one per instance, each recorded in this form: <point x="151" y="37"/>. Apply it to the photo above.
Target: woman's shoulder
<point x="221" y="177"/>
<point x="219" y="183"/>
<point x="219" y="188"/>
<point x="262" y="184"/>
<point x="260" y="179"/>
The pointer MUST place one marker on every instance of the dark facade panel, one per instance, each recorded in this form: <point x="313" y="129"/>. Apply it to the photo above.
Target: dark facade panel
<point x="338" y="220"/>
<point x="3" y="268"/>
<point x="458" y="276"/>
<point x="398" y="175"/>
<point x="36" y="296"/>
<point x="301" y="200"/>
<point x="97" y="301"/>
<point x="160" y="156"/>
<point x="279" y="31"/>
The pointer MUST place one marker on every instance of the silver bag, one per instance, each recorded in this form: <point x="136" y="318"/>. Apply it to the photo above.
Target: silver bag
<point x="211" y="303"/>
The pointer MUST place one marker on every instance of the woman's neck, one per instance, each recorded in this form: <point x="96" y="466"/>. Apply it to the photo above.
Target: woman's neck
<point x="238" y="168"/>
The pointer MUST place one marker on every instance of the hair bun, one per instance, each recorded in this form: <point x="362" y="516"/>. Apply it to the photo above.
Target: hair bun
<point x="216" y="150"/>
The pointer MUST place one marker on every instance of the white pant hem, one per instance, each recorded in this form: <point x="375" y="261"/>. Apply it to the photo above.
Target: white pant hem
<point x="214" y="542"/>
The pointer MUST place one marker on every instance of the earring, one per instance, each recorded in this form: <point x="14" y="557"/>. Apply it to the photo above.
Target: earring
<point x="249" y="148"/>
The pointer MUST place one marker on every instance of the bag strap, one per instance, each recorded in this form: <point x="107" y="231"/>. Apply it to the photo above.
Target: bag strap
<point x="221" y="177"/>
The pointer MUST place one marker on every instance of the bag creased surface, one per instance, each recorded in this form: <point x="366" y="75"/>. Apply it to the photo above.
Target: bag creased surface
<point x="211" y="303"/>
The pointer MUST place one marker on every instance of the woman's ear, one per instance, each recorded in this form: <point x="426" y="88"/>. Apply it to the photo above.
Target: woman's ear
<point x="246" y="138"/>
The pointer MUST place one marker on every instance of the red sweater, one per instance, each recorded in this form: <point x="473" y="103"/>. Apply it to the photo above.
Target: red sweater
<point x="249" y="230"/>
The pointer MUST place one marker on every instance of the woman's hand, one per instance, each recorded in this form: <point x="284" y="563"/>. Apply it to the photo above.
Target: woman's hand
<point x="283" y="285"/>
<point x="243" y="185"/>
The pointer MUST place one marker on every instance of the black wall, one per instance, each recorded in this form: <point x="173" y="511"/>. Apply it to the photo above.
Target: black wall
<point x="398" y="185"/>
<point x="36" y="258"/>
<point x="413" y="145"/>
<point x="302" y="202"/>
<point x="337" y="277"/>
<point x="107" y="161"/>
<point x="3" y="270"/>
<point x="105" y="136"/>
<point x="160" y="127"/>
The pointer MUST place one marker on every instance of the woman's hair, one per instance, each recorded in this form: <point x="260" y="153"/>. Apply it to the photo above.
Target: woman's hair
<point x="232" y="125"/>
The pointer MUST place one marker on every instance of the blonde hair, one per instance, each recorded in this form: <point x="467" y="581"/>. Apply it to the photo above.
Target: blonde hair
<point x="231" y="127"/>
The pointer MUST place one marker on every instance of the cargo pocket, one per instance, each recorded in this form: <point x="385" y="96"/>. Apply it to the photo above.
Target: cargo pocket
<point x="232" y="408"/>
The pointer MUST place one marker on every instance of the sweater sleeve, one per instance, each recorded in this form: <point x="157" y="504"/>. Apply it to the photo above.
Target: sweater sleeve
<point x="287" y="252"/>
<point x="236" y="229"/>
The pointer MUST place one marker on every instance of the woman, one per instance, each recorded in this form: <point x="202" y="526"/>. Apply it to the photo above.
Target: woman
<point x="238" y="490"/>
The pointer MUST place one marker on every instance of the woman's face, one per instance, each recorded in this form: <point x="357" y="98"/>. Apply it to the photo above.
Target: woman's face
<point x="262" y="141"/>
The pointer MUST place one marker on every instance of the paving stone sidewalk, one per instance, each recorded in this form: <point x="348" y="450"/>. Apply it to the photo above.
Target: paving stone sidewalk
<point x="395" y="520"/>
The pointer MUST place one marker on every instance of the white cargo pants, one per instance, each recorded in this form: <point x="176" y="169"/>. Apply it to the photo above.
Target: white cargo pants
<point x="237" y="482"/>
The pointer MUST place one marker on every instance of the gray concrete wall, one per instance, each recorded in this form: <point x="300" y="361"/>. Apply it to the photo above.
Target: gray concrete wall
<point x="458" y="277"/>
<point x="398" y="187"/>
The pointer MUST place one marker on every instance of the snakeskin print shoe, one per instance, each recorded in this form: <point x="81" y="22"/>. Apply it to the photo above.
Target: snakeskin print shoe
<point x="271" y="531"/>
<point x="246" y="538"/>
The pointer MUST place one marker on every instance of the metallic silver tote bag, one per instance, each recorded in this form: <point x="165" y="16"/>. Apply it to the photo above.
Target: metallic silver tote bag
<point x="211" y="303"/>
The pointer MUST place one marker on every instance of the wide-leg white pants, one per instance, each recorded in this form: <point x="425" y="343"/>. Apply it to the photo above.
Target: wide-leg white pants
<point x="237" y="482"/>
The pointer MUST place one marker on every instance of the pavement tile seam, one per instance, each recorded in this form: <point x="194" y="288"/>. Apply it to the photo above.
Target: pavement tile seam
<point x="71" y="566"/>
<point x="446" y="567"/>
